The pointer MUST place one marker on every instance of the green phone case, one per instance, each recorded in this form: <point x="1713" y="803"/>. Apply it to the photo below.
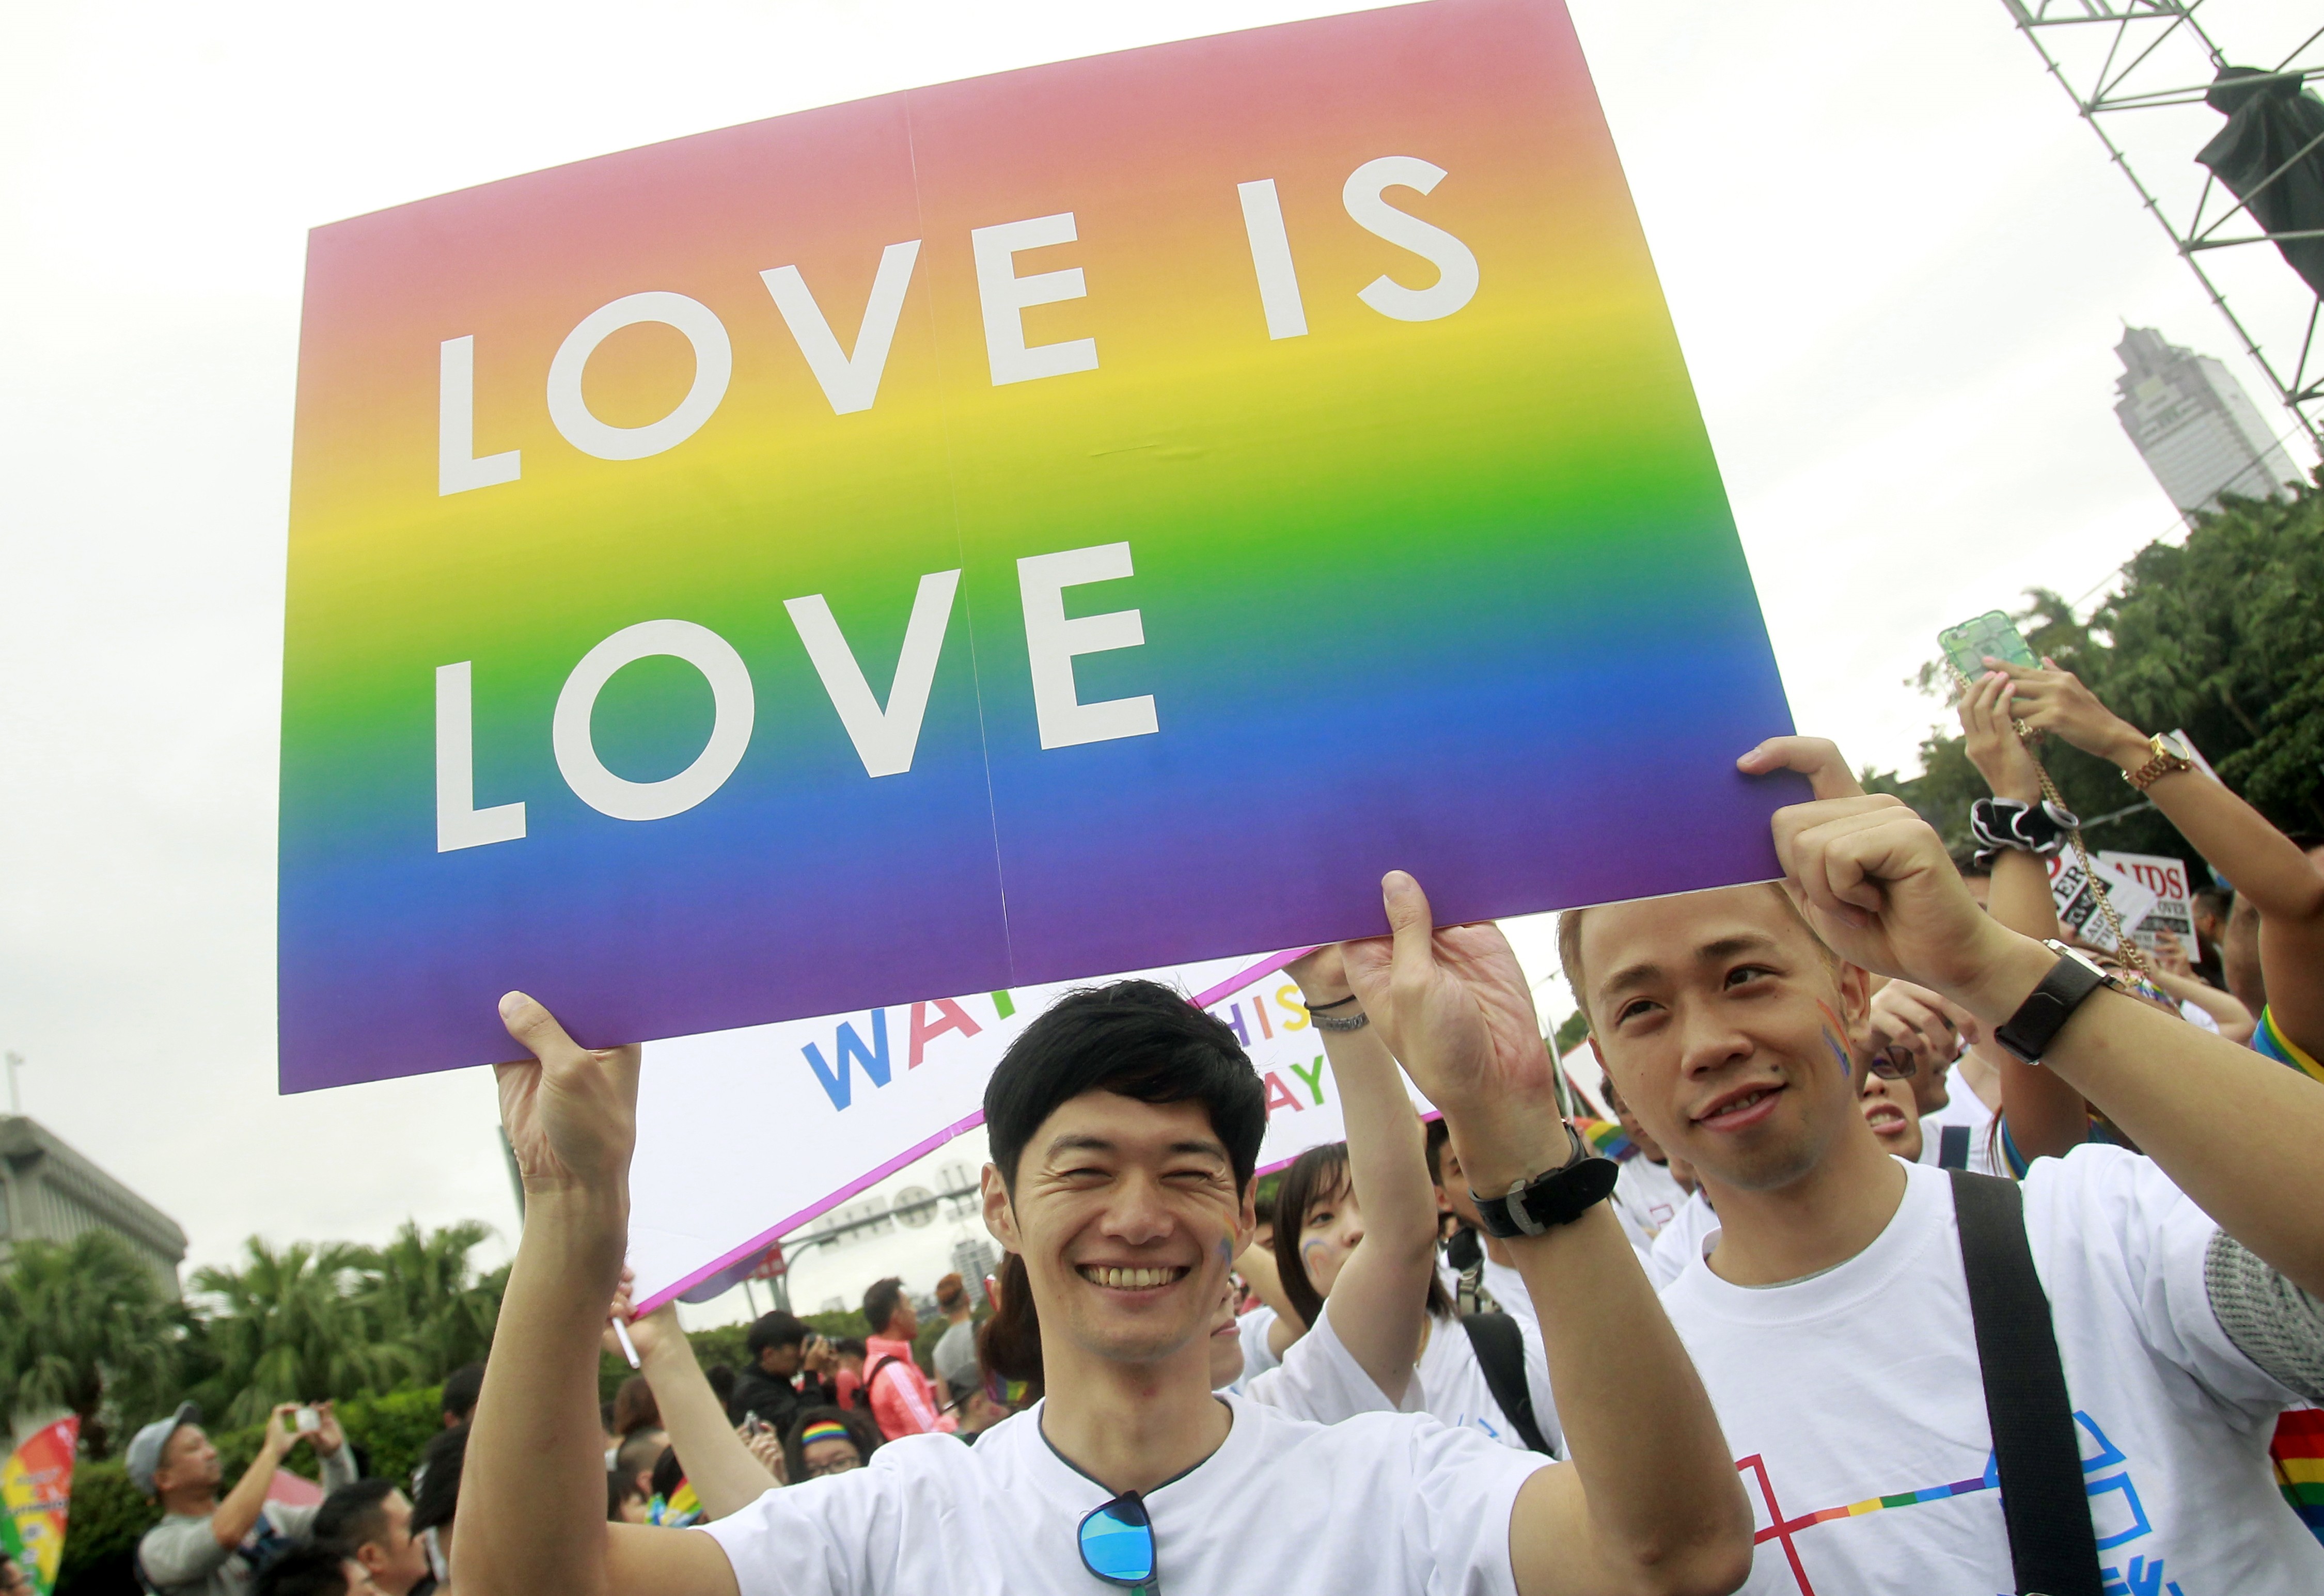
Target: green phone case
<point x="1994" y="633"/>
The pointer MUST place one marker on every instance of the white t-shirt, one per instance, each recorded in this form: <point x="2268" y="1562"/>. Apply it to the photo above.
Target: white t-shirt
<point x="1321" y="1380"/>
<point x="1283" y="1507"/>
<point x="1258" y="1357"/>
<point x="1647" y="1197"/>
<point x="1683" y="1241"/>
<point x="1318" y="1379"/>
<point x="1853" y="1400"/>
<point x="1449" y="1385"/>
<point x="1962" y="1107"/>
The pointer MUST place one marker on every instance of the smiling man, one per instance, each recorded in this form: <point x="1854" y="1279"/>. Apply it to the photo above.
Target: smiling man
<point x="1124" y="1125"/>
<point x="1831" y="1319"/>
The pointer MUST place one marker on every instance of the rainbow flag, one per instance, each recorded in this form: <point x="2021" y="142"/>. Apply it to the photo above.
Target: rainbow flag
<point x="1607" y="1137"/>
<point x="2299" y="1453"/>
<point x="678" y="1509"/>
<point x="2270" y="1042"/>
<point x="36" y="1489"/>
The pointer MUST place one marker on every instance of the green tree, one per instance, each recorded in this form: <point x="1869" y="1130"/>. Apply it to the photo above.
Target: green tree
<point x="290" y="1326"/>
<point x="85" y="1325"/>
<point x="2221" y="636"/>
<point x="422" y="1292"/>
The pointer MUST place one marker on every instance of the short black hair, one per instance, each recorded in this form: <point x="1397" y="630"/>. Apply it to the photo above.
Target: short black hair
<point x="439" y="1481"/>
<point x="879" y="1303"/>
<point x="851" y="1346"/>
<point x="777" y="1329"/>
<point x="310" y="1570"/>
<point x="1136" y="1038"/>
<point x="353" y="1515"/>
<point x="1433" y="1146"/>
<point x="669" y="1473"/>
<point x="640" y="1452"/>
<point x="721" y="1378"/>
<point x="620" y="1488"/>
<point x="461" y="1388"/>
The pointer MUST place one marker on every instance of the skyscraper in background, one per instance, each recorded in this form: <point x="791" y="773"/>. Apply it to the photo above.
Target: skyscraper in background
<point x="2198" y="433"/>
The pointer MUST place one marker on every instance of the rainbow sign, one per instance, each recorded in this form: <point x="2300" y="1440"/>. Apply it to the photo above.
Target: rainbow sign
<point x="1087" y="519"/>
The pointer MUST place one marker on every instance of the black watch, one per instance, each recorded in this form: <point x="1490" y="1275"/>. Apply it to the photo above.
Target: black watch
<point x="1532" y="1208"/>
<point x="2028" y="1033"/>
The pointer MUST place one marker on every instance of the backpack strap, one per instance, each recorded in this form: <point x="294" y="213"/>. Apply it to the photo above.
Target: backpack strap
<point x="2036" y="1444"/>
<point x="1499" y="1346"/>
<point x="1953" y="1146"/>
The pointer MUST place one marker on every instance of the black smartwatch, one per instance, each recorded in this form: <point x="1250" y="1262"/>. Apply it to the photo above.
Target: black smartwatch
<point x="1532" y="1208"/>
<point x="2028" y="1033"/>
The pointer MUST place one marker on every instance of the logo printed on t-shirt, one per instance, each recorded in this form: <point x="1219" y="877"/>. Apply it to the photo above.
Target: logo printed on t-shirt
<point x="2116" y="1512"/>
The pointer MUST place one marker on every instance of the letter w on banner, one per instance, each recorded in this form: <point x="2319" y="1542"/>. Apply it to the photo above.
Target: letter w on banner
<point x="746" y="1136"/>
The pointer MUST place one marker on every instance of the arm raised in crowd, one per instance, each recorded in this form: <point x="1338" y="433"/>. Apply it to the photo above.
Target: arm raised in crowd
<point x="2046" y="1117"/>
<point x="1381" y="1294"/>
<point x="1651" y="1502"/>
<point x="532" y="1492"/>
<point x="718" y="1463"/>
<point x="1876" y="884"/>
<point x="2268" y="869"/>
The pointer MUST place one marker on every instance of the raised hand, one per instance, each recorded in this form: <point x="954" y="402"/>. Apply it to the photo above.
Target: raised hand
<point x="1322" y="974"/>
<point x="2056" y="701"/>
<point x="1453" y="1006"/>
<point x="1926" y="1026"/>
<point x="1991" y="741"/>
<point x="572" y="1115"/>
<point x="650" y="1334"/>
<point x="1816" y="758"/>
<point x="330" y="1437"/>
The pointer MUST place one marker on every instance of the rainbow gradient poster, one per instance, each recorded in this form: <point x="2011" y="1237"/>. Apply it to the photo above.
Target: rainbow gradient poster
<point x="1088" y="519"/>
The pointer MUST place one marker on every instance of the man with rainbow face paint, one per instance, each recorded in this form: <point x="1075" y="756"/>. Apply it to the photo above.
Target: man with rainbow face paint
<point x="1125" y="1125"/>
<point x="1831" y="1319"/>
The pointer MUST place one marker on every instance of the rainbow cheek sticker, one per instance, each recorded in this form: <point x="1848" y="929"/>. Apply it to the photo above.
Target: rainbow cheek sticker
<point x="1089" y="519"/>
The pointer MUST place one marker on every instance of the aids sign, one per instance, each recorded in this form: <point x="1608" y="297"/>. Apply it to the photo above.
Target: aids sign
<point x="1090" y="519"/>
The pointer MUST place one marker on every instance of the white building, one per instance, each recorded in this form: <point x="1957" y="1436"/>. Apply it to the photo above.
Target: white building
<point x="50" y="1193"/>
<point x="2194" y="426"/>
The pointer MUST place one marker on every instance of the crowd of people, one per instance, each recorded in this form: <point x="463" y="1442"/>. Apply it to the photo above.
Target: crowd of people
<point x="1921" y="1248"/>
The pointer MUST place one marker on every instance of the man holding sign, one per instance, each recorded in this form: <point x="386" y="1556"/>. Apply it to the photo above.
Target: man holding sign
<point x="1125" y="1125"/>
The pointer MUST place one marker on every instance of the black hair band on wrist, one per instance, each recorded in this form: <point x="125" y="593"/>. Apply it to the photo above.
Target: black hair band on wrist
<point x="1326" y="1008"/>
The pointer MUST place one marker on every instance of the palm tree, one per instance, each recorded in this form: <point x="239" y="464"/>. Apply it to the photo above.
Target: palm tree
<point x="290" y="1326"/>
<point x="81" y="1322"/>
<point x="421" y="1290"/>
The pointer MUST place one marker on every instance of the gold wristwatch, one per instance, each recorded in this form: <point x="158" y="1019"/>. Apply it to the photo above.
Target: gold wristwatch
<point x="2170" y="756"/>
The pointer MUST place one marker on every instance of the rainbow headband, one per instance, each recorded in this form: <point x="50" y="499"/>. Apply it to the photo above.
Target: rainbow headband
<point x="824" y="1429"/>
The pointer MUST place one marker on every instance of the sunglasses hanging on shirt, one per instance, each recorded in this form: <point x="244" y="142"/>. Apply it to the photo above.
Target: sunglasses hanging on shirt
<point x="1117" y="1544"/>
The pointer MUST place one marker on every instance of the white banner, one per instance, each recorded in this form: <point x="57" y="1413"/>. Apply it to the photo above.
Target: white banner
<point x="747" y="1136"/>
<point x="2173" y="914"/>
<point x="2078" y="904"/>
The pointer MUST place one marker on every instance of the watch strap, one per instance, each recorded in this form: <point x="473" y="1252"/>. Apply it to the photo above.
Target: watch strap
<point x="2028" y="1033"/>
<point x="2166" y="760"/>
<point x="1547" y="1200"/>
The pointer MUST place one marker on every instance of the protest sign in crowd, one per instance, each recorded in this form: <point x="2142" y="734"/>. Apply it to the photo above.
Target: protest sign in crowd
<point x="1927" y="1220"/>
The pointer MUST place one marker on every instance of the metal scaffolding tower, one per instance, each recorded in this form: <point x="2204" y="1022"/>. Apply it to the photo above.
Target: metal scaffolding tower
<point x="2138" y="71"/>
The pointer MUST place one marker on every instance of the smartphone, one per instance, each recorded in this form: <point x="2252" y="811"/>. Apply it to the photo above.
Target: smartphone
<point x="306" y="1421"/>
<point x="1992" y="634"/>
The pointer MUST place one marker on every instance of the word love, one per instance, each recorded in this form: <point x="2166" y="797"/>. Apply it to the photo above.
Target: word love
<point x="850" y="377"/>
<point x="886" y="735"/>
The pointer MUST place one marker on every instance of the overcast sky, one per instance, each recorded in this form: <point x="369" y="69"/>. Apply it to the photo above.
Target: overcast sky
<point x="1897" y="262"/>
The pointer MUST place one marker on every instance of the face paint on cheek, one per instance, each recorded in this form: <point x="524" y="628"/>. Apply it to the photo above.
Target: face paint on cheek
<point x="1831" y="1040"/>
